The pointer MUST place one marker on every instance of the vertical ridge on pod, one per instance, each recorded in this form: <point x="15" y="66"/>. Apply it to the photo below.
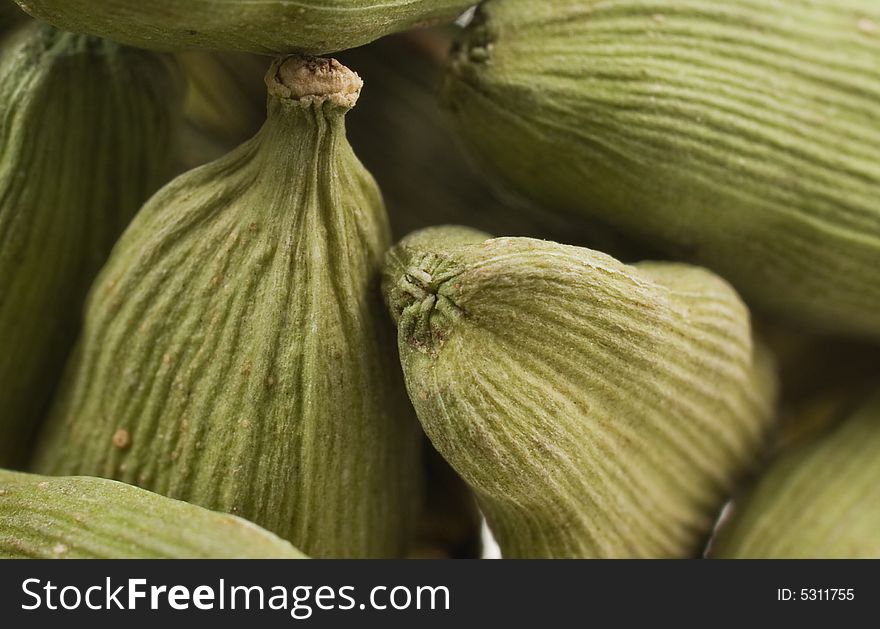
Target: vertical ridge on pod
<point x="86" y="136"/>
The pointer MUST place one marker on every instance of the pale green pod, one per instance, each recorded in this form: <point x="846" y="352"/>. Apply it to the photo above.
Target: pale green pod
<point x="236" y="353"/>
<point x="596" y="409"/>
<point x="86" y="136"/>
<point x="742" y="135"/>
<point x="818" y="500"/>
<point x="45" y="517"/>
<point x="274" y="27"/>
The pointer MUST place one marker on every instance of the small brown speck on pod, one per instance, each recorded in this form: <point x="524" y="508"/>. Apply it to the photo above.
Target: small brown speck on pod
<point x="121" y="439"/>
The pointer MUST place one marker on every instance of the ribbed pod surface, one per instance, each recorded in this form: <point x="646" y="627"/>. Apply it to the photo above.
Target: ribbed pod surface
<point x="742" y="135"/>
<point x="86" y="130"/>
<point x="818" y="500"/>
<point x="236" y="353"/>
<point x="94" y="518"/>
<point x="275" y="27"/>
<point x="597" y="409"/>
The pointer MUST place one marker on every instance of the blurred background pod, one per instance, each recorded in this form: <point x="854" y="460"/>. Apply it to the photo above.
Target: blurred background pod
<point x="819" y="499"/>
<point x="86" y="136"/>
<point x="45" y="517"/>
<point x="10" y="16"/>
<point x="740" y="135"/>
<point x="426" y="175"/>
<point x="225" y="102"/>
<point x="450" y="524"/>
<point x="822" y="379"/>
<point x="313" y="27"/>
<point x="596" y="409"/>
<point x="403" y="136"/>
<point x="236" y="353"/>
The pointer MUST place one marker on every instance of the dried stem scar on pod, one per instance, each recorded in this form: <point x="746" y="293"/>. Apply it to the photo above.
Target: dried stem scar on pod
<point x="276" y="27"/>
<point x="820" y="499"/>
<point x="237" y="336"/>
<point x="86" y="130"/>
<point x="93" y="518"/>
<point x="597" y="409"/>
<point x="742" y="135"/>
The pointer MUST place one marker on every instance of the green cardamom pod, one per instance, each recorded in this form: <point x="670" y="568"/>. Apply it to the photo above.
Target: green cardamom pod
<point x="92" y="518"/>
<point x="817" y="500"/>
<point x="741" y="135"/>
<point x="276" y="27"/>
<point x="86" y="130"/>
<point x="596" y="409"/>
<point x="236" y="353"/>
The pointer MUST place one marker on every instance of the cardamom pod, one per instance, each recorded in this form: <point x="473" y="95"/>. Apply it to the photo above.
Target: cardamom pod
<point x="86" y="130"/>
<point x="818" y="500"/>
<point x="92" y="518"/>
<point x="741" y="135"/>
<point x="596" y="409"/>
<point x="236" y="353"/>
<point x="277" y="27"/>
